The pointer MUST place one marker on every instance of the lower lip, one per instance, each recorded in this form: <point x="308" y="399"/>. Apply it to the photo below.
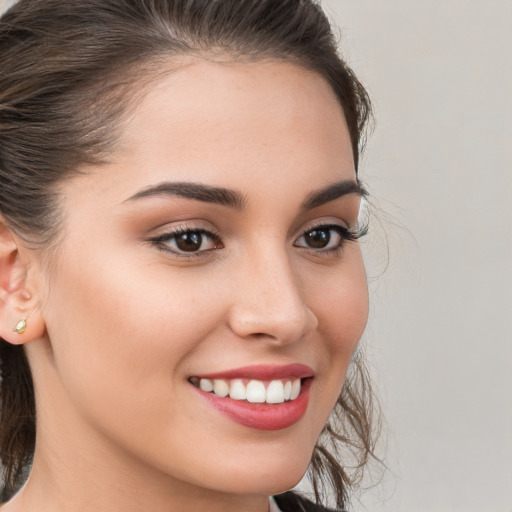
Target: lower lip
<point x="262" y="416"/>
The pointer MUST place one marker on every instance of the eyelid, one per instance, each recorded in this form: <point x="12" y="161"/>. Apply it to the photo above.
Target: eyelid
<point x="346" y="234"/>
<point x="174" y="231"/>
<point x="353" y="232"/>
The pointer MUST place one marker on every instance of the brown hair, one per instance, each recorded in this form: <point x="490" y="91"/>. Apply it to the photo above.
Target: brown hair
<point x="68" y="69"/>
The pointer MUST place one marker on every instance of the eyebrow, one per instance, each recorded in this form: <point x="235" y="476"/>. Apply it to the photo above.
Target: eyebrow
<point x="205" y="193"/>
<point x="332" y="192"/>
<point x="233" y="199"/>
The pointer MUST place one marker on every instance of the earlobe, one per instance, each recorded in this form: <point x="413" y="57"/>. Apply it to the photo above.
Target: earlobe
<point x="24" y="330"/>
<point x="20" y="320"/>
<point x="21" y="326"/>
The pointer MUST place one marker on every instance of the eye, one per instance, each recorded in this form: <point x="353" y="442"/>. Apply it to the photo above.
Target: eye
<point x="325" y="238"/>
<point x="188" y="241"/>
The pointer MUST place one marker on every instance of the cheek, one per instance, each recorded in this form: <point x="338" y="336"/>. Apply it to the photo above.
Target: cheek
<point x="342" y="307"/>
<point x="127" y="332"/>
<point x="342" y="312"/>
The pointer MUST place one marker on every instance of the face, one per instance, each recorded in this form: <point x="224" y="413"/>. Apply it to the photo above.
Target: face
<point x="216" y="250"/>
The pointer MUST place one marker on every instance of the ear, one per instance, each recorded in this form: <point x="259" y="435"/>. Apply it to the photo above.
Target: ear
<point x="18" y="297"/>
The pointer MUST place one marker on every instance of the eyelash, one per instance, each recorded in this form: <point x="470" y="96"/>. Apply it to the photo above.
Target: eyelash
<point x="345" y="234"/>
<point x="162" y="241"/>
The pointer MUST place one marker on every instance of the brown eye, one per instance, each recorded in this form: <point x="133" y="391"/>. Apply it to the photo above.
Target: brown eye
<point x="318" y="238"/>
<point x="191" y="242"/>
<point x="324" y="238"/>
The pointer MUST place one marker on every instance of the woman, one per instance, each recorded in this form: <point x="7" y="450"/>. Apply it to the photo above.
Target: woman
<point x="182" y="288"/>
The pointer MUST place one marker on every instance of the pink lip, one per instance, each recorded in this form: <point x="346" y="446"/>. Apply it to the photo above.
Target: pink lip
<point x="262" y="416"/>
<point x="263" y="372"/>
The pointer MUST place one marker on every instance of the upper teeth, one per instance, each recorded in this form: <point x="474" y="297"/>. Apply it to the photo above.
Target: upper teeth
<point x="255" y="391"/>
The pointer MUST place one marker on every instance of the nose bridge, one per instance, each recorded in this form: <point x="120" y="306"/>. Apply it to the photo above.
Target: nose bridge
<point x="270" y="301"/>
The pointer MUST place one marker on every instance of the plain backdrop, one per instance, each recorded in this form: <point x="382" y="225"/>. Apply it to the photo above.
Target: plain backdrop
<point x="438" y="167"/>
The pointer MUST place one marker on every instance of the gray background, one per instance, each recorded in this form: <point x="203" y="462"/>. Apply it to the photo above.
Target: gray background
<point x="439" y="169"/>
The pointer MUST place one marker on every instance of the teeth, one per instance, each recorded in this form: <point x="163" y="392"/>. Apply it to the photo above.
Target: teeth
<point x="275" y="392"/>
<point x="206" y="385"/>
<point x="237" y="390"/>
<point x="295" y="389"/>
<point x="220" y="387"/>
<point x="288" y="390"/>
<point x="254" y="391"/>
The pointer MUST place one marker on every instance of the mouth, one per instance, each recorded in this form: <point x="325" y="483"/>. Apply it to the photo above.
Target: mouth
<point x="254" y="391"/>
<point x="260" y="397"/>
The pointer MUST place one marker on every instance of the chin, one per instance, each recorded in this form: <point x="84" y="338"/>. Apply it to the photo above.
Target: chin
<point x="268" y="485"/>
<point x="282" y="484"/>
<point x="269" y="477"/>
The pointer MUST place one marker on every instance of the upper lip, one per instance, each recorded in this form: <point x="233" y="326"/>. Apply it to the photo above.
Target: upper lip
<point x="263" y="372"/>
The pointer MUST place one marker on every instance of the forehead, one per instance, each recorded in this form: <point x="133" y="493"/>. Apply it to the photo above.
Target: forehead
<point x="232" y="111"/>
<point x="272" y="131"/>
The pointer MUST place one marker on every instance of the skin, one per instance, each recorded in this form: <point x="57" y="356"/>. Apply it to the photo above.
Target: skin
<point x="117" y="323"/>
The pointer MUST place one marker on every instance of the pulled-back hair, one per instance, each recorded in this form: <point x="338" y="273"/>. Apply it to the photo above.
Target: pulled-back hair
<point x="70" y="70"/>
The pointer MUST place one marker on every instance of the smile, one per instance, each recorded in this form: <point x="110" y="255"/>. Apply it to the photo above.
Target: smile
<point x="275" y="391"/>
<point x="259" y="397"/>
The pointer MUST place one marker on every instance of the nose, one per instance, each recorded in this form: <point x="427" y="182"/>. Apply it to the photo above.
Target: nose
<point x="269" y="302"/>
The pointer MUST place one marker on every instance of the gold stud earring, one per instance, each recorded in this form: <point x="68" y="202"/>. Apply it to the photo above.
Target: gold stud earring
<point x="21" y="326"/>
